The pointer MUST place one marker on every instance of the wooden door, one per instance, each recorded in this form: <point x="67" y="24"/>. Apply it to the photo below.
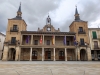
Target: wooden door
<point x="46" y="55"/>
<point x="34" y="55"/>
<point x="61" y="55"/>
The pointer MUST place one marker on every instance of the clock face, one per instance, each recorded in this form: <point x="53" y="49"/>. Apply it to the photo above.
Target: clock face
<point x="48" y="29"/>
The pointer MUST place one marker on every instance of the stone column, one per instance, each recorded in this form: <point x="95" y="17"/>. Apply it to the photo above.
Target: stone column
<point x="31" y="39"/>
<point x="5" y="53"/>
<point x="65" y="54"/>
<point x="42" y="54"/>
<point x="78" y="53"/>
<point x="21" y="39"/>
<point x="54" y="40"/>
<point x="43" y="39"/>
<point x="17" y="53"/>
<point x="31" y="54"/>
<point x="54" y="53"/>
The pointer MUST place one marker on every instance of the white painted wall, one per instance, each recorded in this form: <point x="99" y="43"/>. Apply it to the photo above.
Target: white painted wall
<point x="2" y="39"/>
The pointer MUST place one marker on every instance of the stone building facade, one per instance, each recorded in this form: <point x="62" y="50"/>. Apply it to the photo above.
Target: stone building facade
<point x="94" y="35"/>
<point x="48" y="43"/>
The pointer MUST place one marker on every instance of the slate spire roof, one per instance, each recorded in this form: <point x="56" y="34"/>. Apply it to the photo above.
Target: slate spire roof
<point x="77" y="17"/>
<point x="76" y="11"/>
<point x="19" y="14"/>
<point x="19" y="10"/>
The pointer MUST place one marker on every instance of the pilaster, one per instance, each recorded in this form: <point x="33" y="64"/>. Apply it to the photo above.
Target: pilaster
<point x="78" y="53"/>
<point x="89" y="54"/>
<point x="5" y="53"/>
<point x="17" y="53"/>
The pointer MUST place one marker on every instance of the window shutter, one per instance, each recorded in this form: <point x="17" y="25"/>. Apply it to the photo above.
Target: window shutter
<point x="94" y="35"/>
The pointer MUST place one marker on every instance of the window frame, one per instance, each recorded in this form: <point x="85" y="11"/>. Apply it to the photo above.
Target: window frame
<point x="13" y="40"/>
<point x="48" y="42"/>
<point x="15" y="27"/>
<point x="35" y="42"/>
<point x="80" y="29"/>
<point x="82" y="43"/>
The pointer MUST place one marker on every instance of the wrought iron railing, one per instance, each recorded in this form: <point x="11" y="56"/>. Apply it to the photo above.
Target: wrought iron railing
<point x="14" y="29"/>
<point x="81" y="32"/>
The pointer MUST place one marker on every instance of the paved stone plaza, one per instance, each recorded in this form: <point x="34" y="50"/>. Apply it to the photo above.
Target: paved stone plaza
<point x="49" y="68"/>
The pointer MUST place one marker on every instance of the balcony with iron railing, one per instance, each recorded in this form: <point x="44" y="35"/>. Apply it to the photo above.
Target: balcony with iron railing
<point x="12" y="42"/>
<point x="96" y="47"/>
<point x="83" y="44"/>
<point x="14" y="29"/>
<point x="81" y="32"/>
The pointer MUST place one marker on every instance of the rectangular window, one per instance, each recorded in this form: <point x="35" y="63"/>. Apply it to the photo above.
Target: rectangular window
<point x="14" y="27"/>
<point x="48" y="42"/>
<point x="94" y="35"/>
<point x="80" y="29"/>
<point x="35" y="42"/>
<point x="13" y="40"/>
<point x="81" y="41"/>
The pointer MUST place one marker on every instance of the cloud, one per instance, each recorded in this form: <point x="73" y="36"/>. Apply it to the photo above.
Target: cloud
<point x="88" y="10"/>
<point x="35" y="12"/>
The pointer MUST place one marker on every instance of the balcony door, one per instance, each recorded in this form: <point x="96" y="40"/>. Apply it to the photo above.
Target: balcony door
<point x="14" y="27"/>
<point x="95" y="44"/>
<point x="13" y="40"/>
<point x="81" y="41"/>
<point x="48" y="55"/>
<point x="34" y="55"/>
<point x="80" y="29"/>
<point x="61" y="55"/>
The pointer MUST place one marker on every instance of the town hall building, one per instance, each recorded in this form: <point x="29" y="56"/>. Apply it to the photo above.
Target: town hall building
<point x="47" y="43"/>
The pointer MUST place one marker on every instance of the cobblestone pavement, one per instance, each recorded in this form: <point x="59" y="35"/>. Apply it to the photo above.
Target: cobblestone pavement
<point x="49" y="68"/>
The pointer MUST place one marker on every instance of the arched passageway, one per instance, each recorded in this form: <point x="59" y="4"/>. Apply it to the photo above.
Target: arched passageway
<point x="11" y="54"/>
<point x="83" y="55"/>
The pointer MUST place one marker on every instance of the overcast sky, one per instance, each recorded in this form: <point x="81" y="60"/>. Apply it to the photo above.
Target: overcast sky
<point x="61" y="12"/>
